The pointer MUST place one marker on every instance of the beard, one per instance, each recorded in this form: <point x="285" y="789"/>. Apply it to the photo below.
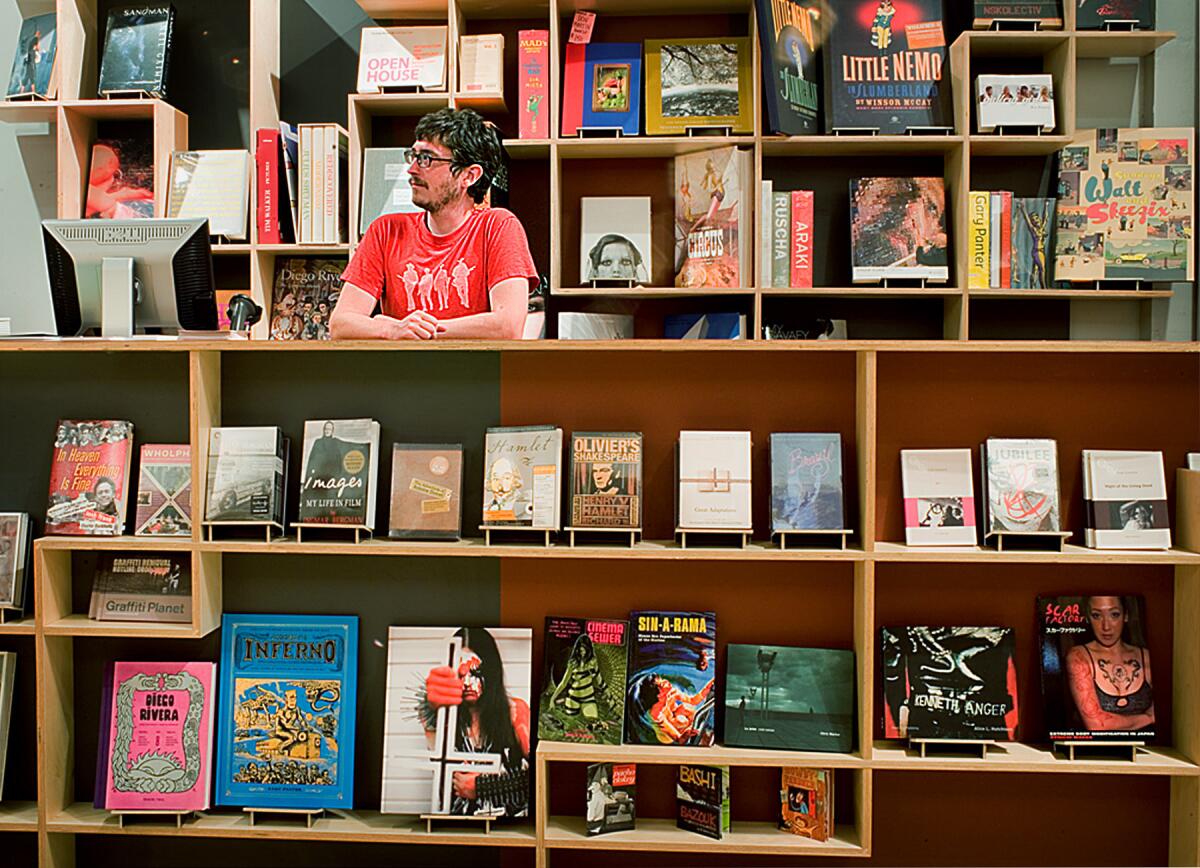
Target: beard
<point x="438" y="199"/>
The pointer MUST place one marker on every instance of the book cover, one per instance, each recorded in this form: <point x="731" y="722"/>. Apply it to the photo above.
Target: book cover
<point x="214" y="185"/>
<point x="160" y="737"/>
<point x="1031" y="244"/>
<point x="120" y="179"/>
<point x="8" y="670"/>
<point x="611" y="797"/>
<point x="783" y="698"/>
<point x="898" y="229"/>
<point x="1095" y="14"/>
<point x="481" y="63"/>
<point x="670" y="696"/>
<point x="1125" y="206"/>
<point x="533" y="84"/>
<point x="1021" y="481"/>
<point x="89" y="477"/>
<point x="340" y="466"/>
<point x="289" y="142"/>
<point x="602" y="87"/>
<point x="806" y="802"/>
<point x="702" y="800"/>
<point x="1126" y="499"/>
<point x="978" y="241"/>
<point x="781" y="238"/>
<point x="614" y="239"/>
<point x="1006" y="198"/>
<point x="267" y="151"/>
<point x="456" y="734"/>
<point x="246" y="470"/>
<point x="1095" y="667"/>
<point x="142" y="588"/>
<point x="16" y="546"/>
<point x="386" y="186"/>
<point x="583" y="681"/>
<point x="583" y="326"/>
<point x="305" y="293"/>
<point x="1048" y="13"/>
<point x="698" y="82"/>
<point x="711" y="225"/>
<point x="285" y="737"/>
<point x="939" y="498"/>
<point x="1014" y="101"/>
<point x="137" y="47"/>
<point x="994" y="203"/>
<point x="402" y="57"/>
<point x="34" y="59"/>
<point x="886" y="67"/>
<point x="724" y="325"/>
<point x="522" y="469"/>
<point x="801" y="272"/>
<point x="789" y="33"/>
<point x="426" y="491"/>
<point x="606" y="479"/>
<point x="766" y="202"/>
<point x="806" y="482"/>
<point x="949" y="682"/>
<point x="714" y="479"/>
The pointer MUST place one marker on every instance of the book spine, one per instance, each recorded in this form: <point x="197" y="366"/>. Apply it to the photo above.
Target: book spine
<point x="305" y="198"/>
<point x="288" y="180"/>
<point x="267" y="158"/>
<point x="572" y="100"/>
<point x="342" y="188"/>
<point x="980" y="266"/>
<point x="1006" y="240"/>
<point x="329" y="169"/>
<point x="533" y="72"/>
<point x="316" y="159"/>
<point x="802" y="217"/>
<point x="764" y="235"/>
<point x="994" y="239"/>
<point x="781" y="239"/>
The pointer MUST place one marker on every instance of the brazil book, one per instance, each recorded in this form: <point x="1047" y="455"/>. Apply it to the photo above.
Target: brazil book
<point x="606" y="479"/>
<point x="89" y="477"/>
<point x="806" y="482"/>
<point x="670" y="696"/>
<point x="583" y="683"/>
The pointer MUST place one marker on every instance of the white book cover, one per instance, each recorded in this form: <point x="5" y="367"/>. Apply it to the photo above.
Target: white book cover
<point x="402" y="57"/>
<point x="1127" y="506"/>
<point x="1193" y="461"/>
<point x="340" y="470"/>
<point x="579" y="326"/>
<point x="244" y="465"/>
<point x="8" y="668"/>
<point x="1021" y="485"/>
<point x="1014" y="100"/>
<point x="614" y="241"/>
<point x="522" y="473"/>
<point x="939" y="497"/>
<point x="212" y="184"/>
<point x="764" y="239"/>
<point x="386" y="186"/>
<point x="481" y="63"/>
<point x="714" y="479"/>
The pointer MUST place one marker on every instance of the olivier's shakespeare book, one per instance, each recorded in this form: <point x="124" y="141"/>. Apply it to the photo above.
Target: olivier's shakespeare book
<point x="670" y="696"/>
<point x="714" y="227"/>
<point x="606" y="479"/>
<point x="611" y="797"/>
<point x="247" y="468"/>
<point x="583" y="683"/>
<point x="137" y="50"/>
<point x="522" y="468"/>
<point x="1020" y="486"/>
<point x="426" y="491"/>
<point x="147" y="587"/>
<point x="341" y="463"/>
<point x="898" y="229"/>
<point x="790" y="33"/>
<point x="702" y="800"/>
<point x="164" y="497"/>
<point x="89" y="477"/>
<point x="939" y="498"/>
<point x="806" y="482"/>
<point x="806" y="802"/>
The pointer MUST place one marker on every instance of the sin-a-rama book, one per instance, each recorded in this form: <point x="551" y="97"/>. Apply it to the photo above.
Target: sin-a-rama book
<point x="426" y="491"/>
<point x="713" y="224"/>
<point x="583" y="682"/>
<point x="606" y="479"/>
<point x="89" y="477"/>
<point x="137" y="50"/>
<point x="146" y="587"/>
<point x="898" y="229"/>
<point x="164" y="497"/>
<point x="341" y="460"/>
<point x="790" y="34"/>
<point x="670" y="697"/>
<point x="806" y="482"/>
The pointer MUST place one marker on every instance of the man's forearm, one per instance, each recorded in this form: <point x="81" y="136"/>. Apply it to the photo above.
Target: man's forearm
<point x="360" y="327"/>
<point x="500" y="325"/>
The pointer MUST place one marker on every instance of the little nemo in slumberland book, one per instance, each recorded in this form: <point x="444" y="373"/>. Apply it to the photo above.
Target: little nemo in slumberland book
<point x="671" y="693"/>
<point x="583" y="685"/>
<point x="89" y="477"/>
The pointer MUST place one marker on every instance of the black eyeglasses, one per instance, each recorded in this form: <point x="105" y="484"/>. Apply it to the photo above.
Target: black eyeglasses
<point x="424" y="159"/>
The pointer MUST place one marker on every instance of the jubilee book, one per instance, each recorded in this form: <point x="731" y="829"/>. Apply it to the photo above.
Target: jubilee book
<point x="1020" y="486"/>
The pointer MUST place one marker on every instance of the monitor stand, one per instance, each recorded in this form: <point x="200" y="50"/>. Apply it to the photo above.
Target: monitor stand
<point x="117" y="297"/>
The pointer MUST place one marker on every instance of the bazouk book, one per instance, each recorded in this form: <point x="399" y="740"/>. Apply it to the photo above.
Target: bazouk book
<point x="790" y="34"/>
<point x="33" y="62"/>
<point x="164" y="498"/>
<point x="702" y="800"/>
<point x="341" y="460"/>
<point x="137" y="50"/>
<point x="583" y="685"/>
<point x="246" y="472"/>
<point x="1020" y="482"/>
<point x="611" y="797"/>
<point x="806" y="482"/>
<point x="286" y="732"/>
<point x="671" y="693"/>
<point x="89" y="477"/>
<point x="949" y="683"/>
<point x="522" y="467"/>
<point x="898" y="229"/>
<point x="606" y="479"/>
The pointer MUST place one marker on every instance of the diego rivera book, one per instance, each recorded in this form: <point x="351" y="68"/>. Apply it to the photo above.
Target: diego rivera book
<point x="341" y="463"/>
<point x="702" y="800"/>
<point x="898" y="229"/>
<point x="16" y="549"/>
<point x="1096" y="681"/>
<point x="164" y="497"/>
<point x="286" y="733"/>
<point x="806" y="802"/>
<point x="1125" y="492"/>
<point x="426" y="491"/>
<point x="939" y="497"/>
<point x="714" y="479"/>
<point x="522" y="468"/>
<point x="713" y="223"/>
<point x="698" y="82"/>
<point x="606" y="479"/>
<point x="247" y="469"/>
<point x="456" y="735"/>
<point x="306" y="291"/>
<point x="611" y="797"/>
<point x="949" y="682"/>
<point x="1020" y="486"/>
<point x="583" y="682"/>
<point x="145" y="587"/>
<point x="806" y="482"/>
<point x="120" y="179"/>
<point x="790" y="33"/>
<point x="671" y="695"/>
<point x="1047" y="13"/>
<point x="34" y="67"/>
<point x="1096" y="14"/>
<point x="137" y="50"/>
<point x="89" y="477"/>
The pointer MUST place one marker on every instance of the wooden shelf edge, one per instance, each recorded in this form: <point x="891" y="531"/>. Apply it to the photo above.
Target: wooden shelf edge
<point x="117" y="543"/>
<point x="661" y="835"/>
<point x="82" y="625"/>
<point x="1035" y="759"/>
<point x="18" y="816"/>
<point x="556" y="751"/>
<point x="26" y="626"/>
<point x="1074" y="554"/>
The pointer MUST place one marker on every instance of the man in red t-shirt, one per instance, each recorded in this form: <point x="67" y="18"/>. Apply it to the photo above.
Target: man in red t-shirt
<point x="458" y="269"/>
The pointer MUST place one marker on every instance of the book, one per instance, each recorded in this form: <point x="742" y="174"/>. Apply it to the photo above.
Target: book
<point x="522" y="469"/>
<point x="1193" y="461"/>
<point x="949" y="683"/>
<point x="35" y="59"/>
<point x="142" y="588"/>
<point x="1125" y="206"/>
<point x="713" y="222"/>
<point x="995" y="211"/>
<point x="137" y="50"/>
<point x="1098" y="14"/>
<point x="426" y="491"/>
<point x="582" y="326"/>
<point x="583" y="681"/>
<point x="782" y="698"/>
<point x="886" y="67"/>
<point x="1032" y="249"/>
<point x="713" y="469"/>
<point x="979" y="217"/>
<point x="705" y="326"/>
<point x="268" y="160"/>
<point x="611" y="797"/>
<point x="1020" y="486"/>
<point x="340" y="466"/>
<point x="1014" y="101"/>
<point x="801" y="272"/>
<point x="120" y="179"/>
<point x="334" y="161"/>
<point x="533" y="84"/>
<point x="481" y="63"/>
<point x="1006" y="198"/>
<point x="614" y="239"/>
<point x="702" y="800"/>
<point x="305" y="293"/>
<point x="214" y="185"/>
<point x="939" y="500"/>
<point x="16" y="550"/>
<point x="311" y="186"/>
<point x="285" y="737"/>
<point x="898" y="229"/>
<point x="159" y="737"/>
<point x="765" y="205"/>
<point x="806" y="482"/>
<point x="440" y="680"/>
<point x="247" y="468"/>
<point x="602" y="87"/>
<point x="89" y="477"/>
<point x="386" y="186"/>
<point x="8" y="671"/>
<point x="804" y="328"/>
<point x="402" y="57"/>
<point x="699" y="82"/>
<point x="781" y="239"/>
<point x="1095" y="668"/>
<point x="289" y="143"/>
<point x="1047" y="13"/>
<point x="1126" y="500"/>
<point x="806" y="802"/>
<point x="606" y="479"/>
<point x="670" y="695"/>
<point x="789" y="33"/>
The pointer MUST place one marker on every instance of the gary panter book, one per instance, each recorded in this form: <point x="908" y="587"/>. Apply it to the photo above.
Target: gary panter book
<point x="671" y="693"/>
<point x="606" y="479"/>
<point x="583" y="685"/>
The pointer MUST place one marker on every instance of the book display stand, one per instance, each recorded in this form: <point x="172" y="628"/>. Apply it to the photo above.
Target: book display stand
<point x="1018" y="130"/>
<point x="1099" y="749"/>
<point x="479" y="820"/>
<point x="235" y="526"/>
<point x="361" y="531"/>
<point x="8" y="614"/>
<point x="958" y="746"/>
<point x="599" y="132"/>
<point x="178" y="817"/>
<point x="632" y="534"/>
<point x="517" y="534"/>
<point x="1016" y="24"/>
<point x="813" y="538"/>
<point x="714" y="536"/>
<point x="310" y="815"/>
<point x="1047" y="540"/>
<point x="692" y="131"/>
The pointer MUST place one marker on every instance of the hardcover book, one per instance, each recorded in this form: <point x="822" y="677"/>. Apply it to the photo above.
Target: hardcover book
<point x="611" y="797"/>
<point x="1097" y="14"/>
<point x="898" y="229"/>
<point x="481" y="63"/>
<point x="614" y="240"/>
<point x="34" y="67"/>
<point x="89" y="477"/>
<point x="806" y="802"/>
<point x="341" y="464"/>
<point x="533" y="84"/>
<point x="8" y="669"/>
<point x="800" y="266"/>
<point x="713" y="222"/>
<point x="789" y="32"/>
<point x="306" y="291"/>
<point x="426" y="491"/>
<point x="939" y="497"/>
<point x="714" y="479"/>
<point x="1047" y="13"/>
<point x="1030" y="240"/>
<point x="781" y="239"/>
<point x="137" y="50"/>
<point x="214" y="185"/>
<point x="670" y="695"/>
<point x="386" y="186"/>
<point x="949" y="683"/>
<point x="724" y="325"/>
<point x="789" y="698"/>
<point x="159" y="737"/>
<point x="697" y="82"/>
<point x="702" y="800"/>
<point x="456" y="737"/>
<point x="269" y="192"/>
<point x="979" y="250"/>
<point x="164" y="498"/>
<point x="583" y="682"/>
<point x="606" y="479"/>
<point x="247" y="468"/>
<point x="602" y="87"/>
<point x="806" y="482"/>
<point x="286" y="732"/>
<point x="522" y="469"/>
<point x="16" y="547"/>
<point x="1126" y="499"/>
<point x="120" y="179"/>
<point x="1014" y="101"/>
<point x="1096" y="681"/>
<point x="582" y="326"/>
<point x="1020" y="486"/>
<point x="402" y="57"/>
<point x="142" y="588"/>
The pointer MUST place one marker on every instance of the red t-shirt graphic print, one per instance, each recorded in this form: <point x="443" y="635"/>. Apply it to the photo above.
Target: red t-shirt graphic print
<point x="409" y="268"/>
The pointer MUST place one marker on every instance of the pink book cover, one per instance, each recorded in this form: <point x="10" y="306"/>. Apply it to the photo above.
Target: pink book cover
<point x="160" y="737"/>
<point x="533" y="79"/>
<point x="572" y="101"/>
<point x="802" y="241"/>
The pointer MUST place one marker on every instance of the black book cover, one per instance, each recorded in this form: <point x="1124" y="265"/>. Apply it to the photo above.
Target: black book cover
<point x="702" y="800"/>
<point x="1092" y="14"/>
<point x="1048" y="12"/>
<point x="137" y="49"/>
<point x="789" y="33"/>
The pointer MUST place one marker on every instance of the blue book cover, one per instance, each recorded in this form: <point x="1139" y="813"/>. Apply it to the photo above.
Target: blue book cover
<point x="285" y="737"/>
<point x="806" y="482"/>
<point x="705" y="326"/>
<point x="1032" y="223"/>
<point x="670" y="695"/>
<point x="612" y="78"/>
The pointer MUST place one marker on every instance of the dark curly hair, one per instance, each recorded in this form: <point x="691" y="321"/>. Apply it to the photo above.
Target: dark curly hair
<point x="471" y="140"/>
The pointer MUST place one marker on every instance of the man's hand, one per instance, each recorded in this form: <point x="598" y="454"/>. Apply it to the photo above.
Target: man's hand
<point x="443" y="687"/>
<point x="419" y="325"/>
<point x="464" y="784"/>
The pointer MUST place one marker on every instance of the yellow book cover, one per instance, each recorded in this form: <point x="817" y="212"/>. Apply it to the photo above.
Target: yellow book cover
<point x="979" y="257"/>
<point x="698" y="83"/>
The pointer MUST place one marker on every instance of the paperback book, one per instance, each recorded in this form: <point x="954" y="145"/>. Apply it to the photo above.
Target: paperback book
<point x="602" y="87"/>
<point x="713" y="221"/>
<point x="120" y="179"/>
<point x="806" y="802"/>
<point x="214" y="185"/>
<point x="137" y="50"/>
<point x="247" y="468"/>
<point x="142" y="588"/>
<point x="1126" y="498"/>
<point x="714" y="326"/>
<point x="614" y="241"/>
<point x="1047" y="13"/>
<point x="1020" y="486"/>
<point x="89" y="477"/>
<point x="34" y="61"/>
<point x="702" y="800"/>
<point x="714" y="480"/>
<point x="481" y="63"/>
<point x="611" y="797"/>
<point x="898" y="229"/>
<point x="806" y="482"/>
<point x="341" y="464"/>
<point x="790" y="34"/>
<point x="698" y="83"/>
<point x="164" y="498"/>
<point x="386" y="186"/>
<point x="402" y="57"/>
<point x="583" y="683"/>
<point x="426" y="491"/>
<point x="606" y="479"/>
<point x="305" y="294"/>
<point x="16" y="550"/>
<point x="583" y="326"/>
<point x="671" y="696"/>
<point x="522" y="469"/>
<point x="1032" y="246"/>
<point x="939" y="497"/>
<point x="1014" y="101"/>
<point x="533" y="84"/>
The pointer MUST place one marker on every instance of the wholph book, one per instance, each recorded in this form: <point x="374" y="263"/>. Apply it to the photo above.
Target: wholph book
<point x="522" y="469"/>
<point x="120" y="179"/>
<point x="89" y="477"/>
<point x="137" y="50"/>
<point x="806" y="482"/>
<point x="790" y="34"/>
<point x="149" y="587"/>
<point x="939" y="497"/>
<point x="16" y="565"/>
<point x="949" y="683"/>
<point x="702" y="800"/>
<point x="898" y="229"/>
<point x="606" y="479"/>
<point x="699" y="82"/>
<point x="602" y="87"/>
<point x="1047" y="13"/>
<point x="611" y="797"/>
<point x="1020" y="486"/>
<point x="714" y="227"/>
<point x="285" y="738"/>
<point x="247" y="468"/>
<point x="1096" y="14"/>
<point x="714" y="480"/>
<point x="341" y="465"/>
<point x="305" y="294"/>
<point x="426" y="491"/>
<point x="583" y="682"/>
<point x="1125" y="493"/>
<point x="164" y="497"/>
<point x="806" y="802"/>
<point x="33" y="69"/>
<point x="402" y="57"/>
<point x="671" y="695"/>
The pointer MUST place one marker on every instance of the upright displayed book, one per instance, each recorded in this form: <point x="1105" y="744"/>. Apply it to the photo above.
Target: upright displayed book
<point x="305" y="294"/>
<point x="939" y="497"/>
<point x="89" y="477"/>
<point x="806" y="802"/>
<point x="602" y="87"/>
<point x="1096" y="681"/>
<point x="584" y="326"/>
<point x="481" y="63"/>
<point x="137" y="51"/>
<point x="1126" y="497"/>
<point x="702" y="800"/>
<point x="426" y="491"/>
<point x="34" y="61"/>
<point x="611" y="797"/>
<point x="8" y="670"/>
<point x="214" y="185"/>
<point x="164" y="498"/>
<point x="533" y="84"/>
<point x="713" y="220"/>
<point x="146" y="587"/>
<point x="712" y="326"/>
<point x="789" y="32"/>
<point x="898" y="229"/>
<point x="247" y="468"/>
<point x="806" y="482"/>
<point x="583" y="682"/>
<point x="1101" y="14"/>
<point x="949" y="683"/>
<point x="783" y="698"/>
<point x="16" y="565"/>
<point x="285" y="737"/>
<point x="386" y="186"/>
<point x="341" y="465"/>
<point x="614" y="240"/>
<point x="699" y="83"/>
<point x="1030" y="238"/>
<point x="671" y="695"/>
<point x="456" y="735"/>
<point x="1126" y="206"/>
<point x="522" y="469"/>
<point x="714" y="480"/>
<point x="1020" y="486"/>
<point x="606" y="479"/>
<point x="402" y="57"/>
<point x="120" y="179"/>
<point x="1014" y="101"/>
<point x="1048" y="14"/>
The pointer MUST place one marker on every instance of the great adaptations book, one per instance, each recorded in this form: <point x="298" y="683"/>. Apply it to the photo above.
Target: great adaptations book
<point x="806" y="802"/>
<point x="1096" y="681"/>
<point x="1126" y="498"/>
<point x="713" y="222"/>
<point x="699" y="82"/>
<point x="247" y="468"/>
<point x="1097" y="14"/>
<point x="702" y="800"/>
<point x="522" y="469"/>
<point x="785" y="698"/>
<point x="898" y="229"/>
<point x="1047" y="13"/>
<point x="89" y="477"/>
<point x="137" y="50"/>
<point x="1014" y="101"/>
<point x="949" y="683"/>
<point x="34" y="59"/>
<point x="426" y="491"/>
<point x="714" y="480"/>
<point x="939" y="497"/>
<point x="611" y="797"/>
<point x="606" y="479"/>
<point x="143" y="587"/>
<point x="16" y="548"/>
<point x="583" y="681"/>
<point x="386" y="186"/>
<point x="790" y="34"/>
<point x="806" y="482"/>
<point x="456" y="736"/>
<point x="614" y="241"/>
<point x="1020" y="479"/>
<point x="402" y="57"/>
<point x="341" y="464"/>
<point x="164" y="497"/>
<point x="288" y="700"/>
<point x="671" y="688"/>
<point x="1031" y="240"/>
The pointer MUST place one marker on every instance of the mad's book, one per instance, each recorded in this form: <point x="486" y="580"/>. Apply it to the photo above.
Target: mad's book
<point x="583" y="690"/>
<point x="672" y="663"/>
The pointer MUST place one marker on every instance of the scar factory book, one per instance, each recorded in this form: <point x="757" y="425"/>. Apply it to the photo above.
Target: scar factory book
<point x="583" y="683"/>
<point x="671" y="693"/>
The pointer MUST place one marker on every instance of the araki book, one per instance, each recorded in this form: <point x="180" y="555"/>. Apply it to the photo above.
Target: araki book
<point x="606" y="479"/>
<point x="522" y="469"/>
<point x="164" y="498"/>
<point x="89" y="477"/>
<point x="611" y="797"/>
<point x="341" y="464"/>
<point x="671" y="693"/>
<point x="583" y="683"/>
<point x="426" y="491"/>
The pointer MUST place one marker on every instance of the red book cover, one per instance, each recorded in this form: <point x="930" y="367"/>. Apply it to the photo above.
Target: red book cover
<point x="89" y="477"/>
<point x="802" y="239"/>
<point x="572" y="101"/>
<point x="267" y="158"/>
<point x="533" y="80"/>
<point x="1006" y="240"/>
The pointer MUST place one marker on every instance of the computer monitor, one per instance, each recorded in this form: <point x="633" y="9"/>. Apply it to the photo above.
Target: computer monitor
<point x="118" y="275"/>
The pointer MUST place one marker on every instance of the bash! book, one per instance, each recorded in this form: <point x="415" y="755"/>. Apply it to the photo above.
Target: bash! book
<point x="1020" y="479"/>
<point x="164" y="498"/>
<point x="426" y="491"/>
<point x="1047" y="13"/>
<point x="898" y="229"/>
<point x="1096" y="681"/>
<point x="137" y="50"/>
<point x="806" y="802"/>
<point x="671" y="693"/>
<point x="698" y="83"/>
<point x="806" y="482"/>
<point x="89" y="477"/>
<point x="583" y="684"/>
<point x="713" y="226"/>
<point x="790" y="33"/>
<point x="939" y="497"/>
<point x="949" y="682"/>
<point x="611" y="797"/>
<point x="602" y="87"/>
<point x="34" y="60"/>
<point x="148" y="587"/>
<point x="606" y="479"/>
<point x="341" y="463"/>
<point x="247" y="468"/>
<point x="286" y="732"/>
<point x="522" y="468"/>
<point x="702" y="800"/>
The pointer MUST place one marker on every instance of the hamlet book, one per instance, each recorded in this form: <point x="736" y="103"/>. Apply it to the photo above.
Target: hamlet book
<point x="806" y="482"/>
<point x="702" y="800"/>
<point x="672" y="665"/>
<point x="340" y="469"/>
<point x="137" y="50"/>
<point x="898" y="229"/>
<point x="1020" y="486"/>
<point x="34" y="61"/>
<point x="164" y="497"/>
<point x="606" y="479"/>
<point x="694" y="82"/>
<point x="247" y="468"/>
<point x="89" y="477"/>
<point x="714" y="480"/>
<point x="402" y="57"/>
<point x="142" y="587"/>
<point x="522" y="470"/>
<point x="426" y="491"/>
<point x="611" y="797"/>
<point x="939" y="498"/>
<point x="583" y="680"/>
